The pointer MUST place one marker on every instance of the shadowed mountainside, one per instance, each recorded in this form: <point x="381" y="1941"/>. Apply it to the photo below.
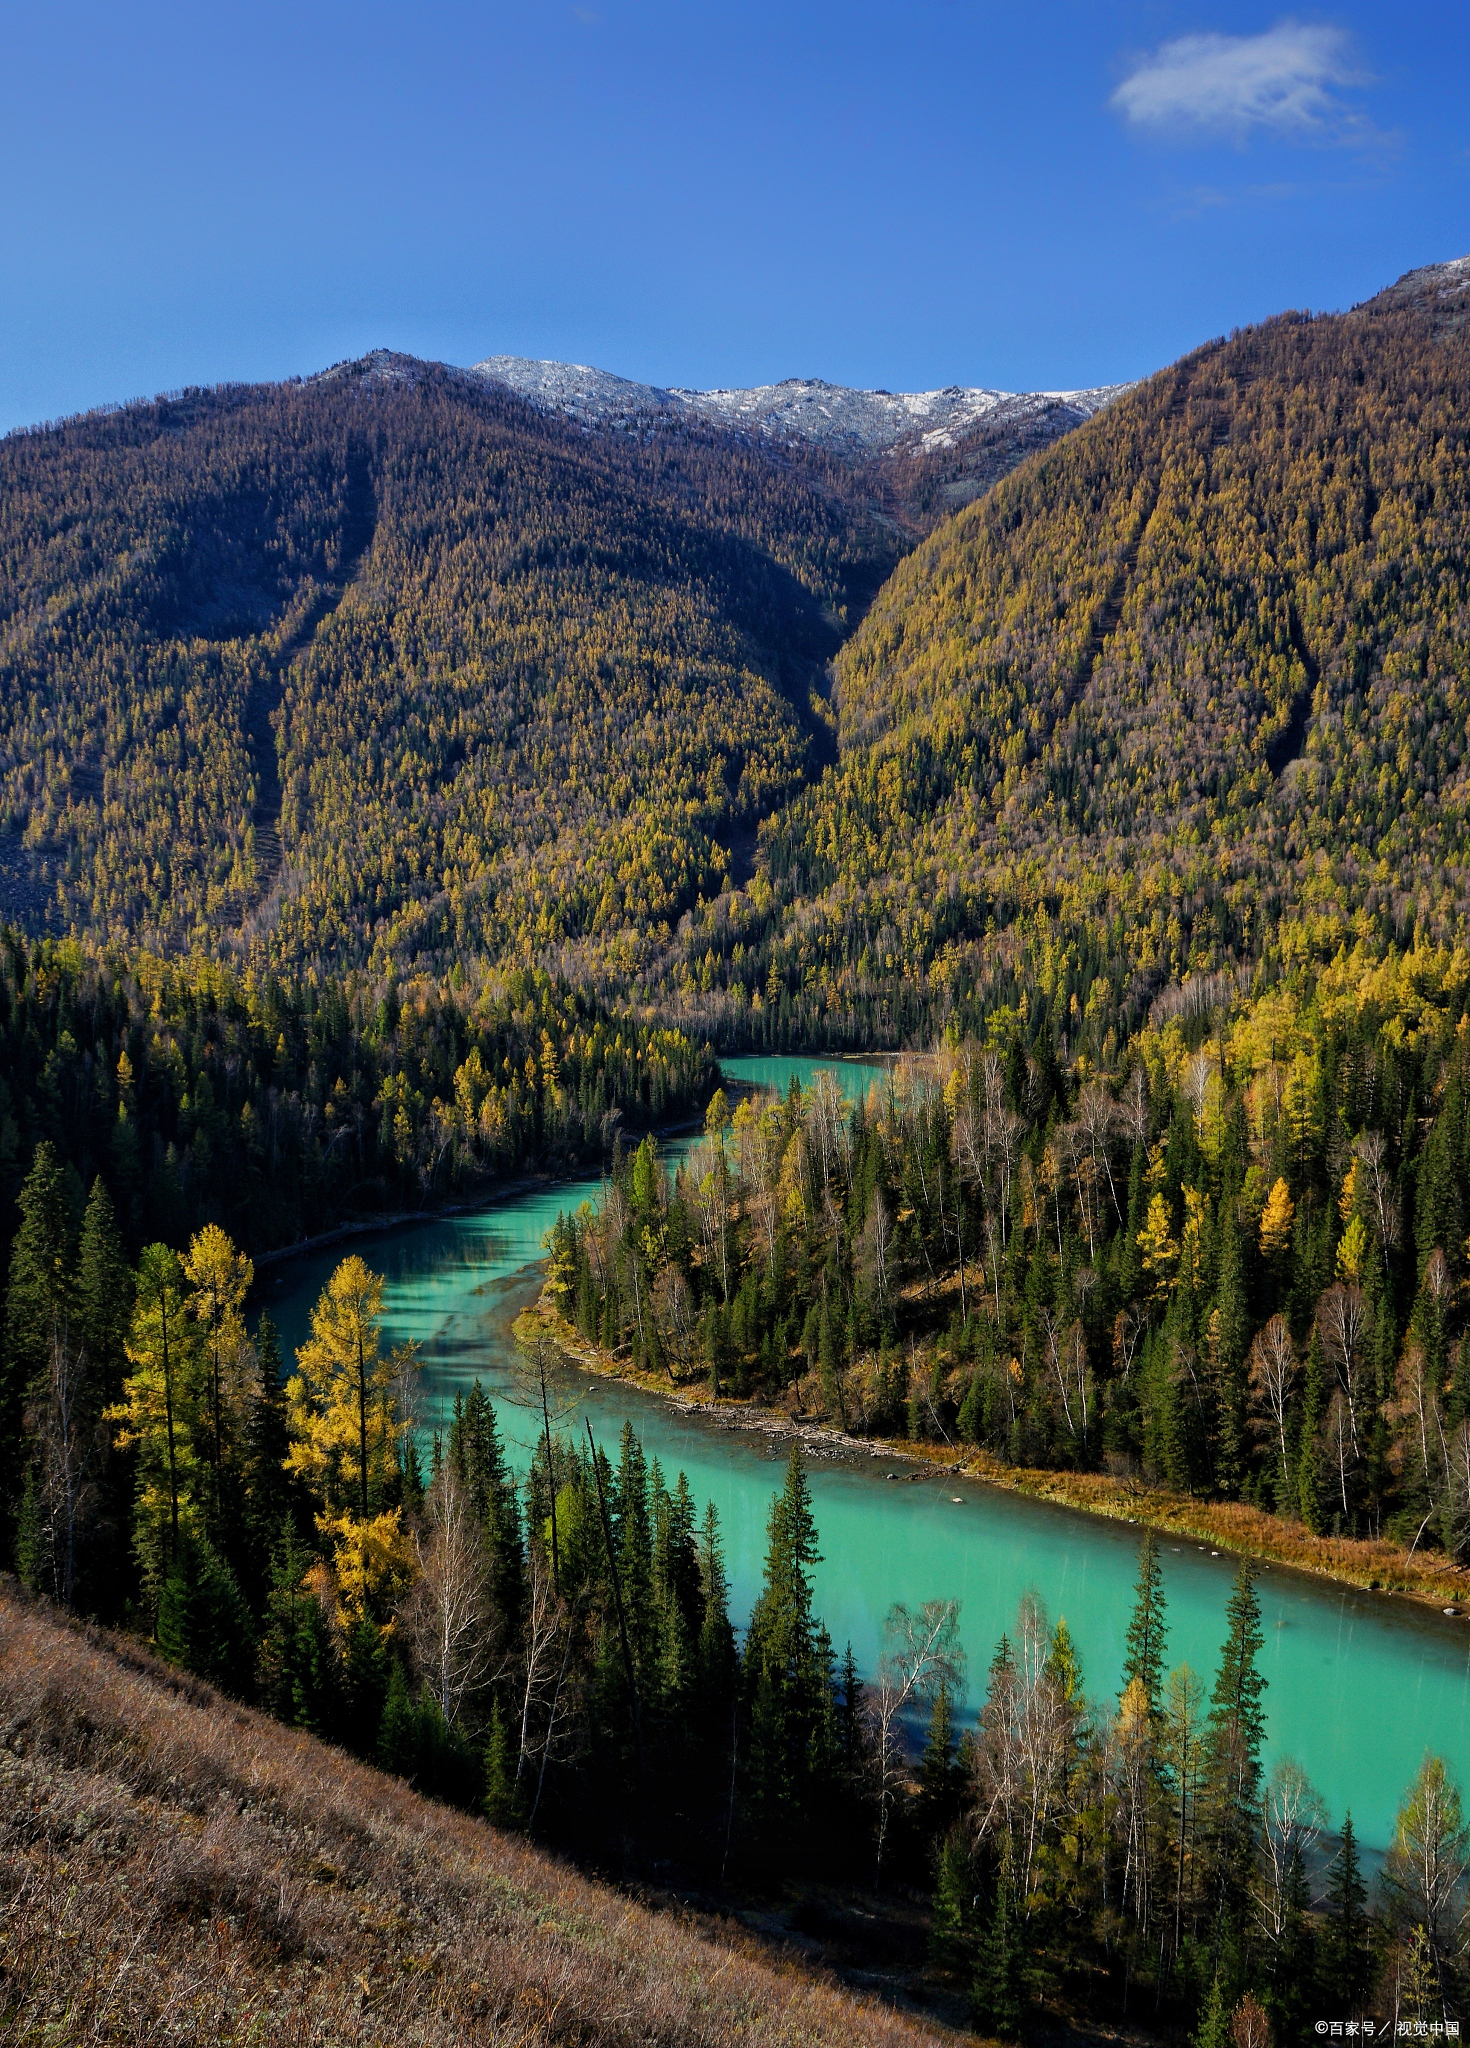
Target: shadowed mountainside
<point x="470" y="679"/>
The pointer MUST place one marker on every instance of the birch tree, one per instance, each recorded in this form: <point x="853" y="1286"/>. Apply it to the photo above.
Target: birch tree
<point x="921" y="1654"/>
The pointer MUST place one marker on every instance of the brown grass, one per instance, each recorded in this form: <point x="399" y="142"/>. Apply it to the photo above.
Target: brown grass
<point x="1425" y="1576"/>
<point x="1231" y="1525"/>
<point x="175" y="1868"/>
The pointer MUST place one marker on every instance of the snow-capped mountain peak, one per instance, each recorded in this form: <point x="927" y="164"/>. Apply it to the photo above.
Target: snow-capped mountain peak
<point x="798" y="409"/>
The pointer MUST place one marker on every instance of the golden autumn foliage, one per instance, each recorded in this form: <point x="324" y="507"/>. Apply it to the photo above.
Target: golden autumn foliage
<point x="392" y="666"/>
<point x="345" y="1401"/>
<point x="1276" y="1219"/>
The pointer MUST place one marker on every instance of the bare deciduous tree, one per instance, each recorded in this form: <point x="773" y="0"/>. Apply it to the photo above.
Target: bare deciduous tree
<point x="1022" y="1749"/>
<point x="673" y="1318"/>
<point x="1342" y="1316"/>
<point x="1372" y="1158"/>
<point x="67" y="1443"/>
<point x="1273" y="1375"/>
<point x="1066" y="1358"/>
<point x="448" y="1616"/>
<point x="1292" y="1817"/>
<point x="546" y="1651"/>
<point x="1338" y="1436"/>
<point x="873" y="1249"/>
<point x="1454" y="1510"/>
<point x="921" y="1654"/>
<point x="1428" y="1859"/>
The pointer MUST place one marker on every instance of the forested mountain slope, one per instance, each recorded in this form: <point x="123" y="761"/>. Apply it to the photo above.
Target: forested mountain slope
<point x="1201" y="665"/>
<point x="391" y="666"/>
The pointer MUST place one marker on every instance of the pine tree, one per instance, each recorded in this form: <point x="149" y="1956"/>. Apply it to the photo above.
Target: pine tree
<point x="632" y="1521"/>
<point x="717" y="1660"/>
<point x="38" y="1307"/>
<point x="267" y="1440"/>
<point x="1235" y="1733"/>
<point x="364" y="1684"/>
<point x="997" y="1995"/>
<point x="677" y="1595"/>
<point x="783" y="1680"/>
<point x="1346" y="1954"/>
<point x="104" y="1294"/>
<point x="1294" y="1963"/>
<point x="204" y="1624"/>
<point x="855" y="1746"/>
<point x="939" y="1793"/>
<point x="298" y="1672"/>
<point x="479" y="1461"/>
<point x="1213" y="2030"/>
<point x="499" y="1801"/>
<point x="398" y="1731"/>
<point x="104" y="1307"/>
<point x="1148" y="1629"/>
<point x="952" y="1926"/>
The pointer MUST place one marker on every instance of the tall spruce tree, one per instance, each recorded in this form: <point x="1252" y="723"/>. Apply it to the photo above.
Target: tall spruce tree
<point x="38" y="1308"/>
<point x="104" y="1294"/>
<point x="1235" y="1733"/>
<point x="998" y="1994"/>
<point x="940" y="1785"/>
<point x="104" y="1312"/>
<point x="1309" y="1460"/>
<point x="952" y="1926"/>
<point x="785" y="1683"/>
<point x="270" y="1495"/>
<point x="478" y="1458"/>
<point x="1148" y="1628"/>
<point x="1347" y="1961"/>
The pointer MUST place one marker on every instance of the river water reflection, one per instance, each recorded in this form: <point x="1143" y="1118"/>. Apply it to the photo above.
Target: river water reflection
<point x="1360" y="1686"/>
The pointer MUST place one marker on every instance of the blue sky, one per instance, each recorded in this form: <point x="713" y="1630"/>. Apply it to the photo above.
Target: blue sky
<point x="899" y="195"/>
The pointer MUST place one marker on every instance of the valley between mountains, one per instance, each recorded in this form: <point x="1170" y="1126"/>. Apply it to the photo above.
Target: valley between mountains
<point x="946" y="918"/>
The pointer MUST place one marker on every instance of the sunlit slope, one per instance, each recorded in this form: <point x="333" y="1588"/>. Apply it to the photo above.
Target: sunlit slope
<point x="1206" y="659"/>
<point x="390" y="667"/>
<point x="180" y="1868"/>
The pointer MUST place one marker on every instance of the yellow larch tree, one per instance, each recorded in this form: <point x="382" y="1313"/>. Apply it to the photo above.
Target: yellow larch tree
<point x="160" y="1413"/>
<point x="1276" y="1221"/>
<point x="220" y="1277"/>
<point x="343" y="1403"/>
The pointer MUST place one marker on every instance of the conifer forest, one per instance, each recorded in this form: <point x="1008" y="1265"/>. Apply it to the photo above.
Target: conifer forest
<point x="409" y="797"/>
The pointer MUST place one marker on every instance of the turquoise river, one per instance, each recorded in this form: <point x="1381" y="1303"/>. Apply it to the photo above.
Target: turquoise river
<point x="1360" y="1684"/>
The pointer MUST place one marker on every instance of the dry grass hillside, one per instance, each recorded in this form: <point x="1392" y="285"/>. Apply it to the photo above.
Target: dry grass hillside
<point x="174" y="1867"/>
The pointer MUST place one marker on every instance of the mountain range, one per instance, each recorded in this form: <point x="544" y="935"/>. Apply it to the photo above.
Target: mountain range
<point x="918" y="454"/>
<point x="714" y="696"/>
<point x="797" y="410"/>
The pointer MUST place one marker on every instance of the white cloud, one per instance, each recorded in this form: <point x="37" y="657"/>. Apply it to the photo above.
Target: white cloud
<point x="1283" y="81"/>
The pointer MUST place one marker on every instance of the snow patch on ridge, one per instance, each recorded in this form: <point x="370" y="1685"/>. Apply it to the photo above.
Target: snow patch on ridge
<point x="799" y="409"/>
